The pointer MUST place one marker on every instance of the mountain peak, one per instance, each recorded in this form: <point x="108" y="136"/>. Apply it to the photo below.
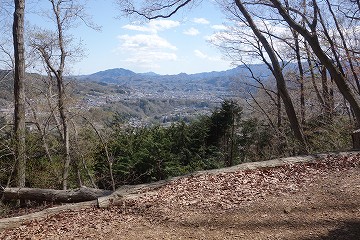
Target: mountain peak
<point x="118" y="72"/>
<point x="121" y="75"/>
<point x="149" y="74"/>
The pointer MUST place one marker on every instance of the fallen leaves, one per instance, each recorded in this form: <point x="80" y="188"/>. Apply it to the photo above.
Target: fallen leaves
<point x="226" y="190"/>
<point x="206" y="193"/>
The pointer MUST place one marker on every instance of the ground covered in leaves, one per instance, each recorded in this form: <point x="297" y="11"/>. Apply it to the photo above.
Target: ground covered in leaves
<point x="314" y="200"/>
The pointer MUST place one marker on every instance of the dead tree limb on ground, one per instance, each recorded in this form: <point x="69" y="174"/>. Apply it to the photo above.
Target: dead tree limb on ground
<point x="59" y="196"/>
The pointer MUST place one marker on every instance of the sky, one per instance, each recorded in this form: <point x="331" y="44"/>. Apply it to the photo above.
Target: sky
<point x="164" y="46"/>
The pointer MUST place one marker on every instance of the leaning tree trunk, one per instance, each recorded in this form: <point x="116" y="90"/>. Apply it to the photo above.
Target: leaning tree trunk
<point x="280" y="80"/>
<point x="349" y="59"/>
<point x="335" y="73"/>
<point x="19" y="91"/>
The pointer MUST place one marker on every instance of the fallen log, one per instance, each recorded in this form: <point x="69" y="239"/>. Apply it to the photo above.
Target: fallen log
<point x="57" y="196"/>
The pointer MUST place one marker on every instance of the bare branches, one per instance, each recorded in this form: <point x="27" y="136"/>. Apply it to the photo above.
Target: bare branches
<point x="334" y="69"/>
<point x="9" y="55"/>
<point x="154" y="9"/>
<point x="277" y="72"/>
<point x="55" y="48"/>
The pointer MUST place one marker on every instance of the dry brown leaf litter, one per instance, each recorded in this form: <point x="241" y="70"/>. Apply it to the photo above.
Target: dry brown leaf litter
<point x="212" y="206"/>
<point x="227" y="190"/>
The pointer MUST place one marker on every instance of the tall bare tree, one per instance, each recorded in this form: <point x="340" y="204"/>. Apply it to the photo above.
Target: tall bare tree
<point x="19" y="91"/>
<point x="343" y="45"/>
<point x="56" y="49"/>
<point x="311" y="35"/>
<point x="277" y="72"/>
<point x="56" y="69"/>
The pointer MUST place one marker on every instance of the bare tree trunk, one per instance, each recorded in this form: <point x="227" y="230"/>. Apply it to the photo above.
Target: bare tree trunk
<point x="61" y="196"/>
<point x="313" y="40"/>
<point x="61" y="92"/>
<point x="326" y="94"/>
<point x="331" y="96"/>
<point x="301" y="69"/>
<point x="280" y="80"/>
<point x="19" y="91"/>
<point x="313" y="79"/>
<point x="52" y="83"/>
<point x="345" y="46"/>
<point x="65" y="125"/>
<point x="77" y="162"/>
<point x="279" y="115"/>
<point x="301" y="78"/>
<point x="54" y="51"/>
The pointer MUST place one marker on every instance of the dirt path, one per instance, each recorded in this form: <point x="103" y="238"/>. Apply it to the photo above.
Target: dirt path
<point x="304" y="201"/>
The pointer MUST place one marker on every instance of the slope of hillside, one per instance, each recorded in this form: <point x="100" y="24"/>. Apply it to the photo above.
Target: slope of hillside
<point x="312" y="200"/>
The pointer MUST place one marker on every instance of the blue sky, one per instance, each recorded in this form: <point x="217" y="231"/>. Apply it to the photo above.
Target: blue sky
<point x="164" y="46"/>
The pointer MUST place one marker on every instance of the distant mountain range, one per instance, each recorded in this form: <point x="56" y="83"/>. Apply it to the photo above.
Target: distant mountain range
<point x="217" y="81"/>
<point x="150" y="95"/>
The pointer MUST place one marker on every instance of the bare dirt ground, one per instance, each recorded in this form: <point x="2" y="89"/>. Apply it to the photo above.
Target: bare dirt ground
<point x="314" y="200"/>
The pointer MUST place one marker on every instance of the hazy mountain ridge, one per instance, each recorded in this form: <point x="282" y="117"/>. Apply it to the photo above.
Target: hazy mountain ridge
<point x="200" y="86"/>
<point x="181" y="81"/>
<point x="163" y="98"/>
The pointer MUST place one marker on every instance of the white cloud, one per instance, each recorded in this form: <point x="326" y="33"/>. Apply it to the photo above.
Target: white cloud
<point x="145" y="41"/>
<point x="137" y="28"/>
<point x="201" y="21"/>
<point x="202" y="55"/>
<point x="147" y="51"/>
<point x="219" y="27"/>
<point x="191" y="31"/>
<point x="153" y="26"/>
<point x="150" y="60"/>
<point x="163" y="24"/>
